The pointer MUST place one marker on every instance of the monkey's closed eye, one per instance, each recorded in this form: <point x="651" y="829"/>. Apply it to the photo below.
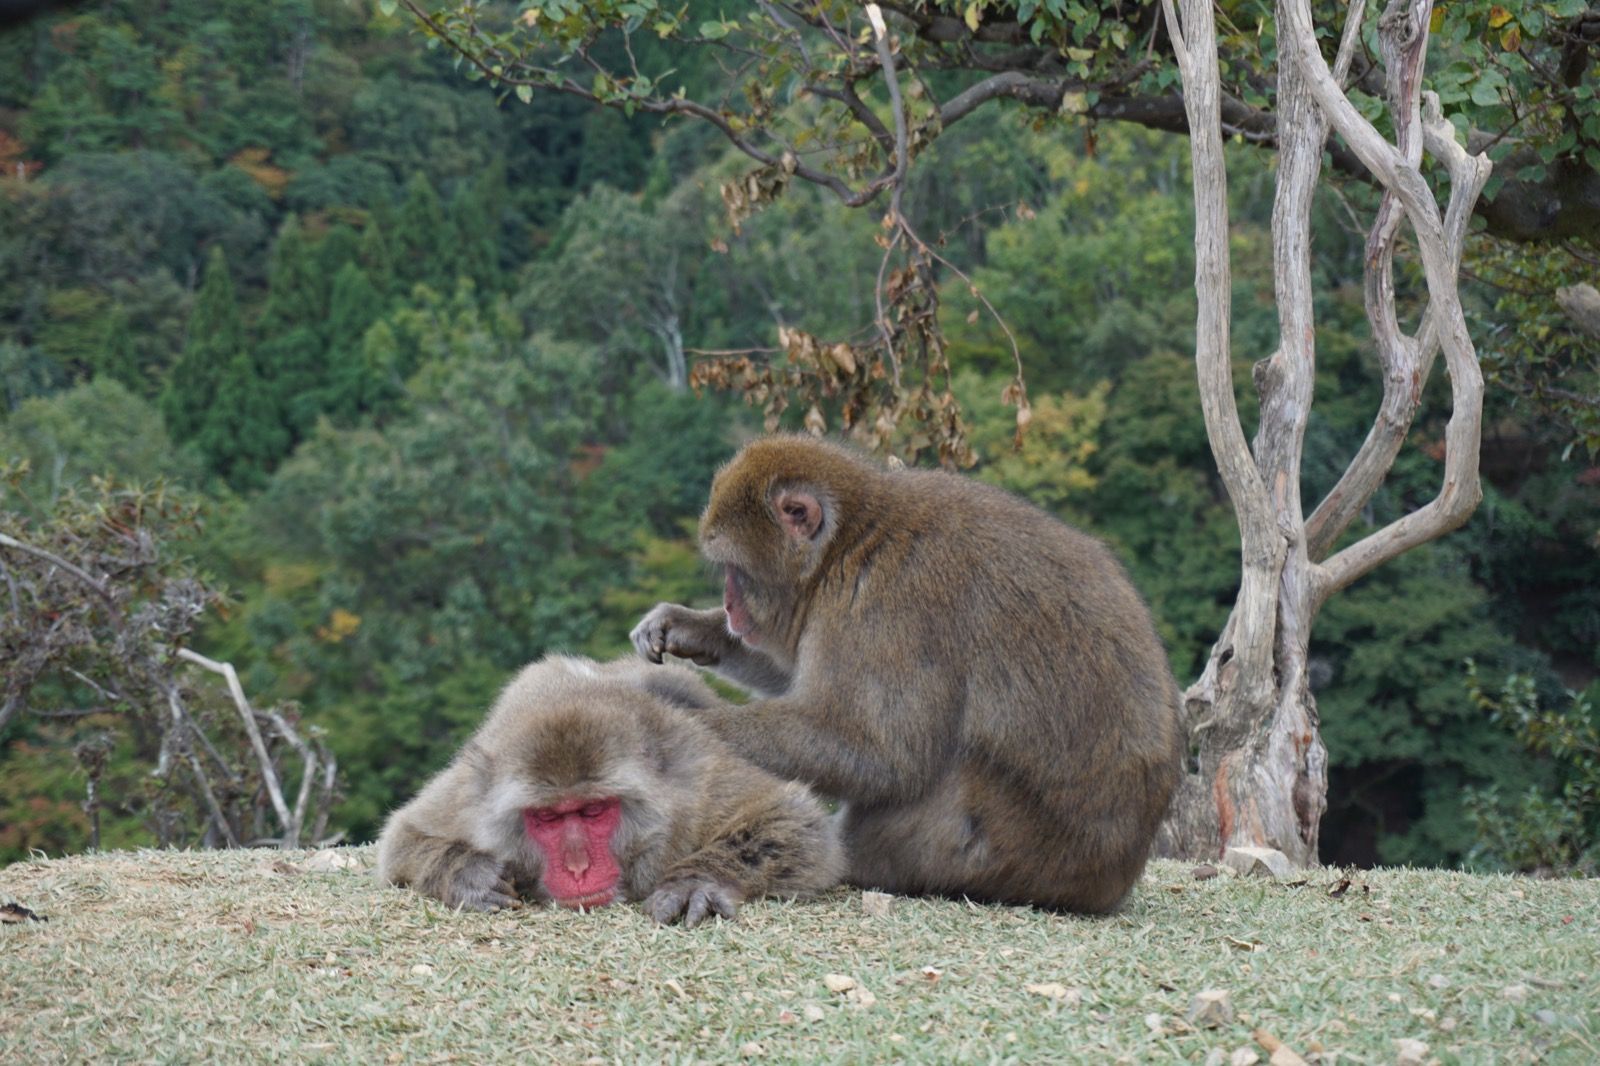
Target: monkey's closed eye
<point x="546" y="815"/>
<point x="593" y="810"/>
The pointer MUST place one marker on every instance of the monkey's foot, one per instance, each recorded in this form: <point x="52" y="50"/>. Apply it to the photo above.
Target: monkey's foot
<point x="693" y="899"/>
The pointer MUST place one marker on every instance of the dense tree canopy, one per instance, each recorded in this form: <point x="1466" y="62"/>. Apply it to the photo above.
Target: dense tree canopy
<point x="417" y="348"/>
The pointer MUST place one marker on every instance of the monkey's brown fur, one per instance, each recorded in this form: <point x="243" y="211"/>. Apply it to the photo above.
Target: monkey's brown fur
<point x="979" y="681"/>
<point x="701" y="829"/>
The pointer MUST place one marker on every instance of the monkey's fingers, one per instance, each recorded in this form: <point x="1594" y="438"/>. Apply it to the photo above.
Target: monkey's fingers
<point x="666" y="903"/>
<point x="693" y="899"/>
<point x="649" y="637"/>
<point x="482" y="886"/>
<point x="709" y="898"/>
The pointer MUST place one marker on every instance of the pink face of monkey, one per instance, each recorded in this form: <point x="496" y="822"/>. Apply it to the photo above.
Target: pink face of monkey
<point x="575" y="838"/>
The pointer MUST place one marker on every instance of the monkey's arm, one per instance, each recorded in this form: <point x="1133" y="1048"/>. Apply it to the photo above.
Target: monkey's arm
<point x="702" y="637"/>
<point x="425" y="847"/>
<point x="780" y="842"/>
<point x="870" y="739"/>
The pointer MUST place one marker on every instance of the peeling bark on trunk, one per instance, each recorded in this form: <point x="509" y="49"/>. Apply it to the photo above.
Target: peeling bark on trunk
<point x="1258" y="775"/>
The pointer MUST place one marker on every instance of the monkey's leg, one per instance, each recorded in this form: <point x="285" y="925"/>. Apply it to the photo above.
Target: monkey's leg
<point x="933" y="845"/>
<point x="782" y="844"/>
<point x="702" y="637"/>
<point x="452" y="871"/>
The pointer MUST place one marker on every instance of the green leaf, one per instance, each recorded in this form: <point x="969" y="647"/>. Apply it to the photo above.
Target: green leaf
<point x="714" y="31"/>
<point x="525" y="93"/>
<point x="1485" y="95"/>
<point x="387" y="6"/>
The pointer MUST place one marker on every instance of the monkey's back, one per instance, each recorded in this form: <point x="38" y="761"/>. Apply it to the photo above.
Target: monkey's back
<point x="1068" y="740"/>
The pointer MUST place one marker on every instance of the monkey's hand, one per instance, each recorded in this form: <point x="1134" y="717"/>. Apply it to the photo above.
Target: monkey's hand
<point x="692" y="898"/>
<point x="702" y="637"/>
<point x="479" y="883"/>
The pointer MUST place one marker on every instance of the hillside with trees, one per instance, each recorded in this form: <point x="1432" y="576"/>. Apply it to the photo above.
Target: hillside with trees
<point x="398" y="380"/>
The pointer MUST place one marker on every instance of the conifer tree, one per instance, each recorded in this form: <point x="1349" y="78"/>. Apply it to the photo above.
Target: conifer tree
<point x="215" y="337"/>
<point x="291" y="351"/>
<point x="476" y="213"/>
<point x="119" y="355"/>
<point x="424" y="245"/>
<point x="341" y="245"/>
<point x="243" y="438"/>
<point x="355" y="305"/>
<point x="375" y="259"/>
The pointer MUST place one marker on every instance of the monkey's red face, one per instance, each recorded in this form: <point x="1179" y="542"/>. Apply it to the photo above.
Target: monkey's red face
<point x="575" y="839"/>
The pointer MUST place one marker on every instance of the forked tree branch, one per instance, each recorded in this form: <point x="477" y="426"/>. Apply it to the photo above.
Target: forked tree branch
<point x="1406" y="361"/>
<point x="94" y="583"/>
<point x="269" y="774"/>
<point x="1252" y="625"/>
<point x="1398" y="169"/>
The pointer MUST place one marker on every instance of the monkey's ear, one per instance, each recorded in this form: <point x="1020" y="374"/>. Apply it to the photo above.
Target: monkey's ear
<point x="800" y="513"/>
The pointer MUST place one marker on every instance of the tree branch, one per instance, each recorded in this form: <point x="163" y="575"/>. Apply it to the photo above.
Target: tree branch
<point x="76" y="571"/>
<point x="1406" y="362"/>
<point x="1253" y="621"/>
<point x="269" y="775"/>
<point x="1397" y="167"/>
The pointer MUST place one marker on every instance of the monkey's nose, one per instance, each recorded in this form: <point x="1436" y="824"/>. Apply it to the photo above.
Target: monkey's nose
<point x="576" y="860"/>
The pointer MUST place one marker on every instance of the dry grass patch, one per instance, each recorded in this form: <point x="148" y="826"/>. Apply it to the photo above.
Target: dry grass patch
<point x="241" y="956"/>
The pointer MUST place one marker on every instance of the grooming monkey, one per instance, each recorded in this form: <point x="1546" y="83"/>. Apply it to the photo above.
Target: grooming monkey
<point x="588" y="783"/>
<point x="977" y="680"/>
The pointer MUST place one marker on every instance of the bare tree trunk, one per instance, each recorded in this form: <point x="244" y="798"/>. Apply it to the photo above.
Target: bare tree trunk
<point x="670" y="334"/>
<point x="1259" y="769"/>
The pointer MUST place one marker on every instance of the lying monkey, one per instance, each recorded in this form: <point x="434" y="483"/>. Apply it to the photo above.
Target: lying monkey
<point x="589" y="782"/>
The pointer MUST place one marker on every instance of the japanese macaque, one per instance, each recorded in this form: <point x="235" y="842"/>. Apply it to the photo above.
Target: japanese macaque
<point x="979" y="682"/>
<point x="590" y="783"/>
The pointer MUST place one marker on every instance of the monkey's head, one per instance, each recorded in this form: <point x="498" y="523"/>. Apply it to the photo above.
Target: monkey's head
<point x="576" y="783"/>
<point x="775" y="510"/>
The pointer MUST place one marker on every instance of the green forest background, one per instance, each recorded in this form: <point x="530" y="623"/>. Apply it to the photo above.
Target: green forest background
<point x="417" y="354"/>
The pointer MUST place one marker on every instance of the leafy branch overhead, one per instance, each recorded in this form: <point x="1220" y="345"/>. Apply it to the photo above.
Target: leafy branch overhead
<point x="845" y="96"/>
<point x="802" y="89"/>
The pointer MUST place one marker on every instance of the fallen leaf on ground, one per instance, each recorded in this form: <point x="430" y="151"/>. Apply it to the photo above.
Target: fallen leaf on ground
<point x="876" y="904"/>
<point x="329" y="860"/>
<point x="1056" y="990"/>
<point x="1259" y="862"/>
<point x="1210" y="1008"/>
<point x="838" y="982"/>
<point x="1205" y="872"/>
<point x="1410" y="1052"/>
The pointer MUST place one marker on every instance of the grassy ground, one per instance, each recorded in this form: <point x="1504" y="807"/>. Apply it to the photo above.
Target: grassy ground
<point x="247" y="956"/>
